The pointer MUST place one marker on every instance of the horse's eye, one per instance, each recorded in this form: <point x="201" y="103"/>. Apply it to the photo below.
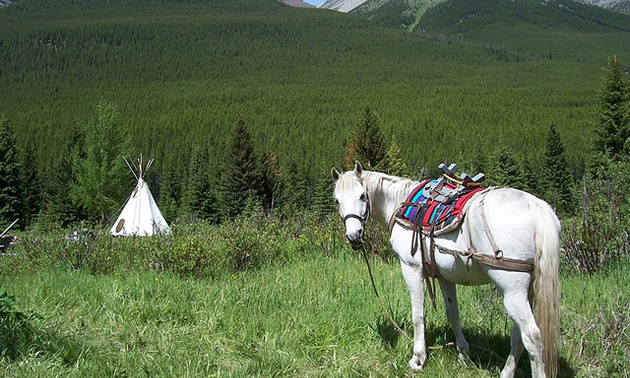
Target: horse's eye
<point x="363" y="197"/>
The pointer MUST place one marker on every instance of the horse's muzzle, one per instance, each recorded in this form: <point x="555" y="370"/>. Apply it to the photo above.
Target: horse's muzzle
<point x="355" y="243"/>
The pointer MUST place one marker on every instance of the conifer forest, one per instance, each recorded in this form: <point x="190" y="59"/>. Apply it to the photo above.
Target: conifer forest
<point x="175" y="78"/>
<point x="246" y="105"/>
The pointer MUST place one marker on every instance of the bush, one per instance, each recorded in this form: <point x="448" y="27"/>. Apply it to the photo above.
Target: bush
<point x="198" y="249"/>
<point x="600" y="236"/>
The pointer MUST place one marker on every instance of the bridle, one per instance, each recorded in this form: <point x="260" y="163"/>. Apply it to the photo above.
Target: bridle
<point x="361" y="218"/>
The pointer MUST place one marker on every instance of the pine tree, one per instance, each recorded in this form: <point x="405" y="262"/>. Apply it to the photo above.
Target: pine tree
<point x="170" y="191"/>
<point x="531" y="180"/>
<point x="393" y="164"/>
<point x="10" y="184"/>
<point x="293" y="195"/>
<point x="323" y="202"/>
<point x="367" y="144"/>
<point x="558" y="181"/>
<point x="58" y="207"/>
<point x="505" y="168"/>
<point x="272" y="180"/>
<point x="102" y="176"/>
<point x="242" y="179"/>
<point x="200" y="199"/>
<point x="613" y="127"/>
<point x="32" y="191"/>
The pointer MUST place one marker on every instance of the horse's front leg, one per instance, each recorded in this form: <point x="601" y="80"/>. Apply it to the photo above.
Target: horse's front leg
<point x="449" y="293"/>
<point x="413" y="278"/>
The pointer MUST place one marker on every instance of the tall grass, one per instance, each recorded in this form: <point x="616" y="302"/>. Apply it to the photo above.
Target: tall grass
<point x="313" y="316"/>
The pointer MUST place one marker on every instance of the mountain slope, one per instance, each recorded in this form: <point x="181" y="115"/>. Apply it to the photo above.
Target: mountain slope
<point x="526" y="29"/>
<point x="418" y="7"/>
<point x="342" y="5"/>
<point x="297" y="3"/>
<point x="183" y="71"/>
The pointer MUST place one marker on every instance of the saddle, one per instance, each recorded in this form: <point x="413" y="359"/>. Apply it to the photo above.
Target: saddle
<point x="437" y="205"/>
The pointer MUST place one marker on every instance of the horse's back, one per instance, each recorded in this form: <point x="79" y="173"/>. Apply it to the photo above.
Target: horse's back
<point x="509" y="216"/>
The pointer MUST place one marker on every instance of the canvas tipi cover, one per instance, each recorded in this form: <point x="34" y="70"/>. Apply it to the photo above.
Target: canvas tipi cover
<point x="140" y="215"/>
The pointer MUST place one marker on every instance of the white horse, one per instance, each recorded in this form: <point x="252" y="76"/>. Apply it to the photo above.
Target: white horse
<point x="523" y="227"/>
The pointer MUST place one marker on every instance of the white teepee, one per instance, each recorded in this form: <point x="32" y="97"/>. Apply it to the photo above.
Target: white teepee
<point x="140" y="215"/>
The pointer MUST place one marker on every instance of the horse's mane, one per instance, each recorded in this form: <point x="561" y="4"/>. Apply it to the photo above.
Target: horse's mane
<point x="387" y="187"/>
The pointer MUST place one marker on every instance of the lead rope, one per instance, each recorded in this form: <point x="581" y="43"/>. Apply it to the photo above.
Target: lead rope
<point x="378" y="297"/>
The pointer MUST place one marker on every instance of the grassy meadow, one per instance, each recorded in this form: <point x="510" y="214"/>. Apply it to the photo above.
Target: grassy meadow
<point x="310" y="314"/>
<point x="281" y="295"/>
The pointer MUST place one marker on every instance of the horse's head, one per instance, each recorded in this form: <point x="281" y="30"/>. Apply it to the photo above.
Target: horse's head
<point x="352" y="199"/>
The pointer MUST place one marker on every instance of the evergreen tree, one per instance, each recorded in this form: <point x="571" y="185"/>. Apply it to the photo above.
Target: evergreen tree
<point x="102" y="176"/>
<point x="367" y="144"/>
<point x="323" y="202"/>
<point x="505" y="168"/>
<point x="170" y="191"/>
<point x="272" y="180"/>
<point x="32" y="191"/>
<point x="242" y="178"/>
<point x="531" y="181"/>
<point x="393" y="164"/>
<point x="200" y="199"/>
<point x="558" y="182"/>
<point x="10" y="173"/>
<point x="58" y="207"/>
<point x="613" y="127"/>
<point x="293" y="195"/>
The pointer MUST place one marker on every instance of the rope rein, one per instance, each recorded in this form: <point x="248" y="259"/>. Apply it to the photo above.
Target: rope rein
<point x="380" y="301"/>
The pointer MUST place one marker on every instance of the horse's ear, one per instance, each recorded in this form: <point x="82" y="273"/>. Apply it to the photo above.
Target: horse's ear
<point x="335" y="174"/>
<point x="358" y="168"/>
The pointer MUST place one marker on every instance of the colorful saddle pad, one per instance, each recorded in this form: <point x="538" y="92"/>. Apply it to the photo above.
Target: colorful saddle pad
<point x="443" y="217"/>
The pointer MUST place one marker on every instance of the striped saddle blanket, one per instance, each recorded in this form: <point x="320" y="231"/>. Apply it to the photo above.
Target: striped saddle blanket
<point x="421" y="208"/>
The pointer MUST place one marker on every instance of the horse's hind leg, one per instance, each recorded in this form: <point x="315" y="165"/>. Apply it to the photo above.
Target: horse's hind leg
<point x="517" y="305"/>
<point x="413" y="278"/>
<point x="516" y="349"/>
<point x="449" y="293"/>
<point x="515" y="354"/>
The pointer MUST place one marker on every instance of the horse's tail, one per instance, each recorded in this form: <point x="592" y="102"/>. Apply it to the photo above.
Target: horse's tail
<point x="546" y="284"/>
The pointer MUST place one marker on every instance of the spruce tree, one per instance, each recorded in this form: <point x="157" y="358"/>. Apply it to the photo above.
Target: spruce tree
<point x="272" y="180"/>
<point x="367" y="144"/>
<point x="613" y="128"/>
<point x="170" y="190"/>
<point x="505" y="168"/>
<point x="10" y="173"/>
<point x="242" y="179"/>
<point x="200" y="199"/>
<point x="323" y="202"/>
<point x="102" y="175"/>
<point x="393" y="163"/>
<point x="294" y="188"/>
<point x="531" y="180"/>
<point x="32" y="191"/>
<point x="58" y="207"/>
<point x="558" y="183"/>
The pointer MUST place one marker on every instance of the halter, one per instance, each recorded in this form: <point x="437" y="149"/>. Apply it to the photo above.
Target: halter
<point x="361" y="218"/>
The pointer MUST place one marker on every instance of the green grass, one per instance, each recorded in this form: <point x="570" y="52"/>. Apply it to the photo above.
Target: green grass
<point x="315" y="317"/>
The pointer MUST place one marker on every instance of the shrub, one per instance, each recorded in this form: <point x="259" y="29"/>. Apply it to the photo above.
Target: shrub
<point x="599" y="237"/>
<point x="198" y="249"/>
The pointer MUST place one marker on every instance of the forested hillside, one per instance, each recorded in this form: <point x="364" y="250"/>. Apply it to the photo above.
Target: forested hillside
<point x="555" y="30"/>
<point x="180" y="74"/>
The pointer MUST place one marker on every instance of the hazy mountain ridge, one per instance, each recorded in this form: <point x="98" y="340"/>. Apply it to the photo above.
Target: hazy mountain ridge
<point x="418" y="7"/>
<point x="622" y="6"/>
<point x="297" y="3"/>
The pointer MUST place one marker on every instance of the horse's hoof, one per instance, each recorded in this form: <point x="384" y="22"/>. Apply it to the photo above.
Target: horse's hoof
<point x="416" y="363"/>
<point x="462" y="353"/>
<point x="462" y="358"/>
